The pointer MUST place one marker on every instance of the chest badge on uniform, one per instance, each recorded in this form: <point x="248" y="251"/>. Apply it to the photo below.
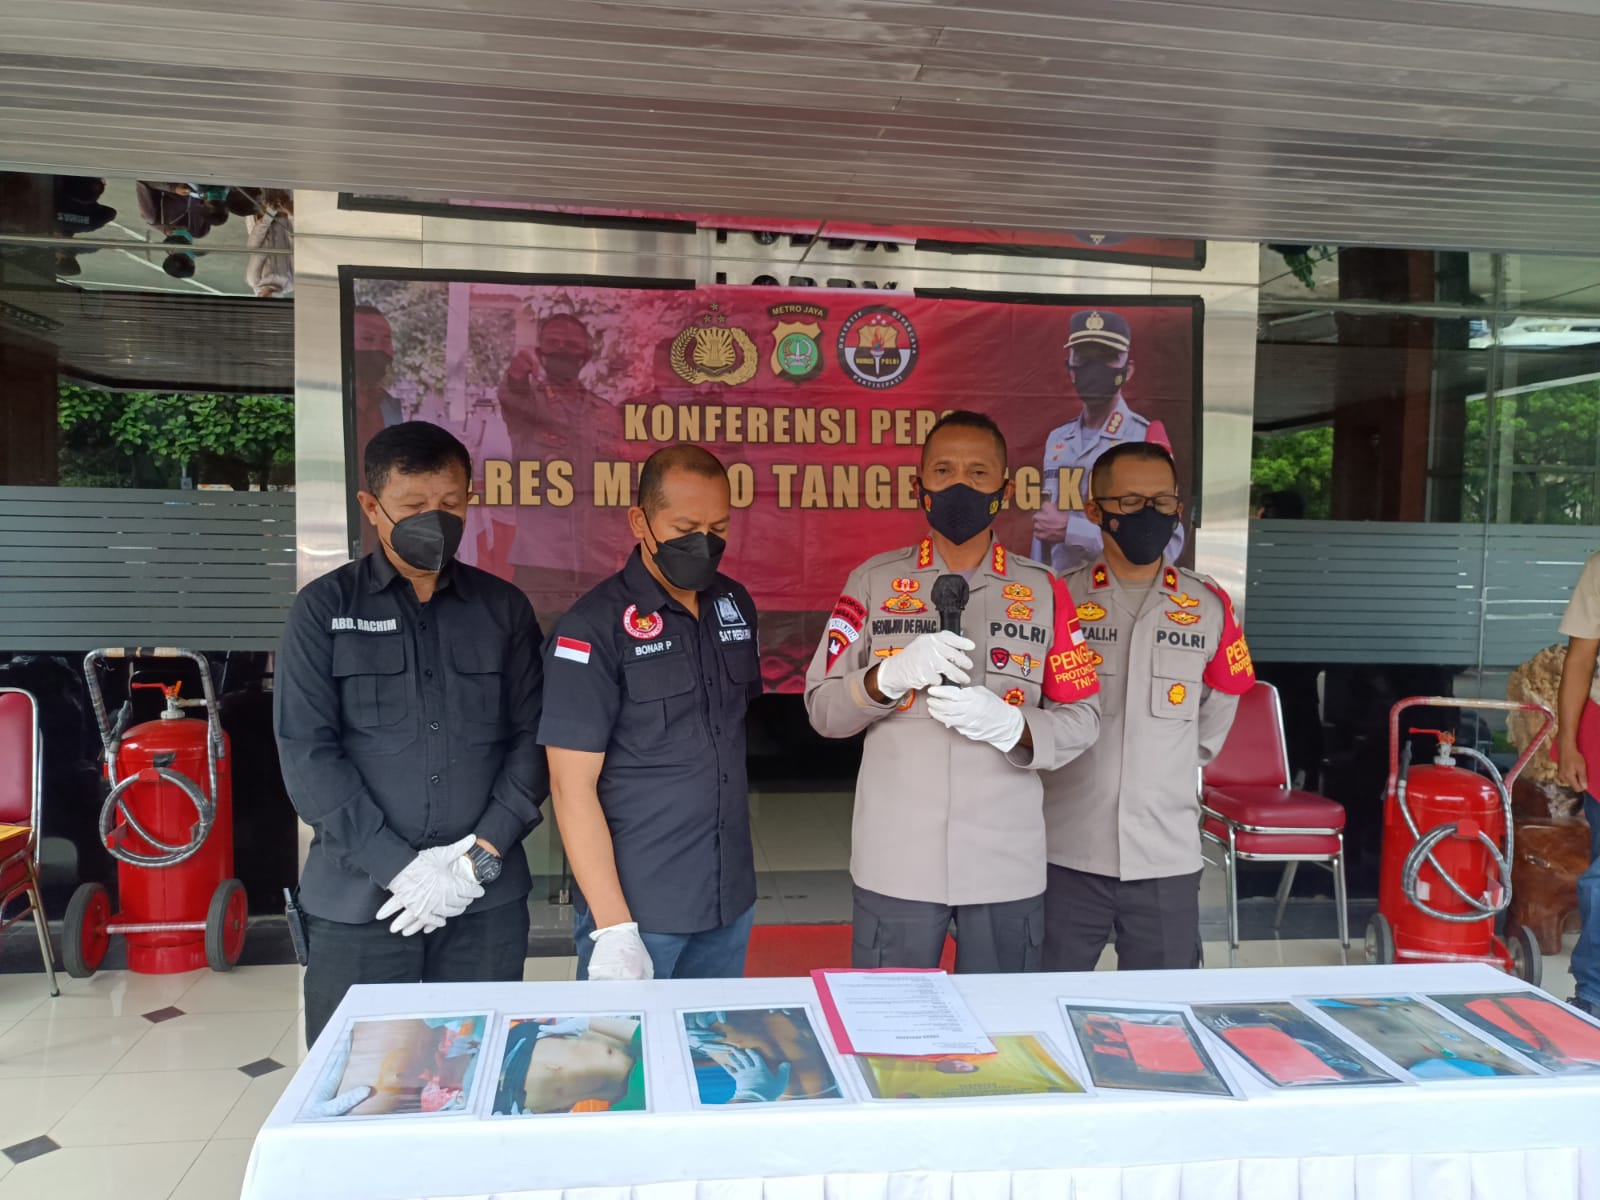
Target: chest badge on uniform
<point x="902" y="604"/>
<point x="1177" y="694"/>
<point x="906" y="586"/>
<point x="1090" y="611"/>
<point x="1020" y="612"/>
<point x="1097" y="658"/>
<point x="887" y="651"/>
<point x="999" y="656"/>
<point x="907" y="702"/>
<point x="1183" y="618"/>
<point x="1017" y="591"/>
<point x="1016" y="697"/>
<point x="728" y="612"/>
<point x="1027" y="662"/>
<point x="1184" y="600"/>
<point x="644" y="628"/>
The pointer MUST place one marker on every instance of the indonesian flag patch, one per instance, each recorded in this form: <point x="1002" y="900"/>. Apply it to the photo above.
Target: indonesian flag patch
<point x="573" y="649"/>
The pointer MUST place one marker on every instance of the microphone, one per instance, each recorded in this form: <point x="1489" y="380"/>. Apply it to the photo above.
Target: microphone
<point x="950" y="593"/>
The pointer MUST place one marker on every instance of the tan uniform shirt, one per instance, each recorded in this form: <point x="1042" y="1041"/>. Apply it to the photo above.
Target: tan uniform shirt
<point x="939" y="817"/>
<point x="1582" y="618"/>
<point x="1172" y="663"/>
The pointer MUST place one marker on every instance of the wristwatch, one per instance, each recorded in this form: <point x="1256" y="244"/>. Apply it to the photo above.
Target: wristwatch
<point x="485" y="866"/>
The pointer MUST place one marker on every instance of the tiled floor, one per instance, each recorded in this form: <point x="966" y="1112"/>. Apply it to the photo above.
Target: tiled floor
<point x="152" y="1087"/>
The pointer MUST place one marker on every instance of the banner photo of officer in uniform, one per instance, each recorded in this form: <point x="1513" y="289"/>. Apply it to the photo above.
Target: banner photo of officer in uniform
<point x="816" y="399"/>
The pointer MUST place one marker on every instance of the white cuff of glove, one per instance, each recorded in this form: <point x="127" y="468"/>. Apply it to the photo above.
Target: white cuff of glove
<point x="620" y="954"/>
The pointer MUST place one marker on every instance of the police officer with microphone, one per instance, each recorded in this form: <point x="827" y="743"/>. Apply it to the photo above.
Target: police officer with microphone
<point x="1123" y="818"/>
<point x="963" y="705"/>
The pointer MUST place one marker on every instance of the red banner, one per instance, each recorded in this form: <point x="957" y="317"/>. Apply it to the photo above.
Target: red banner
<point x="816" y="400"/>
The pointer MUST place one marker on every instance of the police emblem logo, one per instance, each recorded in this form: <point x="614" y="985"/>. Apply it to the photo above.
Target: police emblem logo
<point x="1183" y="618"/>
<point x="877" y="346"/>
<point x="796" y="352"/>
<point x="643" y="627"/>
<point x="1094" y="322"/>
<point x="712" y="351"/>
<point x="1016" y="697"/>
<point x="1177" y="694"/>
<point x="1017" y="591"/>
<point x="999" y="657"/>
<point x="1090" y="611"/>
<point x="728" y="612"/>
<point x="1184" y="600"/>
<point x="1019" y="612"/>
<point x="906" y="586"/>
<point x="903" y="605"/>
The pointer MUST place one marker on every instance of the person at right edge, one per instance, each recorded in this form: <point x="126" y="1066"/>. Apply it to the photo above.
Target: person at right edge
<point x="1123" y="818"/>
<point x="1578" y="761"/>
<point x="949" y="821"/>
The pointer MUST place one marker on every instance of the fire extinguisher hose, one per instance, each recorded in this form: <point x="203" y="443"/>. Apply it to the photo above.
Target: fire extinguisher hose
<point x="1426" y="843"/>
<point x="169" y="855"/>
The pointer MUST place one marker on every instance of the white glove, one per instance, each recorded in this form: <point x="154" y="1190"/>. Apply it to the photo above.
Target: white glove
<point x="752" y="1081"/>
<point x="977" y="713"/>
<point x="570" y="1027"/>
<point x="925" y="662"/>
<point x="434" y="886"/>
<point x="700" y="1030"/>
<point x="620" y="954"/>
<point x="323" y="1103"/>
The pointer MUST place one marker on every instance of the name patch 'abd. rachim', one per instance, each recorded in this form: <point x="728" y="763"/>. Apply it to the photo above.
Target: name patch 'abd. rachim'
<point x="364" y="625"/>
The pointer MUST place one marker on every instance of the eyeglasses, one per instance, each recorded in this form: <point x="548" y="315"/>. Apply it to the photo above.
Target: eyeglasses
<point x="1166" y="505"/>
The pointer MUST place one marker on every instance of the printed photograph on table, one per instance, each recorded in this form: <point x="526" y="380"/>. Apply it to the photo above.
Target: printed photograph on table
<point x="1024" y="1064"/>
<point x="572" y="1064"/>
<point x="1286" y="1048"/>
<point x="1145" y="1050"/>
<point x="758" y="1056"/>
<point x="1540" y="1029"/>
<point x="399" y="1067"/>
<point x="1420" y="1040"/>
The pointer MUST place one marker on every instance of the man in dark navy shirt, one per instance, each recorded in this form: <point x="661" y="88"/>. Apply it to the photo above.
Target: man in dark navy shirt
<point x="647" y="680"/>
<point x="407" y="713"/>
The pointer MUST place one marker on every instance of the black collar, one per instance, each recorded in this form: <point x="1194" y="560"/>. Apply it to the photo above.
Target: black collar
<point x="381" y="575"/>
<point x="644" y="590"/>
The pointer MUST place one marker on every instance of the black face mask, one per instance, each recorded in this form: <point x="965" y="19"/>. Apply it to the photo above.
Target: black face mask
<point x="372" y="366"/>
<point x="1098" y="382"/>
<point x="426" y="540"/>
<point x="689" y="563"/>
<point x="561" y="367"/>
<point x="961" y="512"/>
<point x="1141" y="536"/>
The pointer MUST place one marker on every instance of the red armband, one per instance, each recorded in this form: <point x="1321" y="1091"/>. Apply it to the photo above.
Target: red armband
<point x="1069" y="672"/>
<point x="1230" y="669"/>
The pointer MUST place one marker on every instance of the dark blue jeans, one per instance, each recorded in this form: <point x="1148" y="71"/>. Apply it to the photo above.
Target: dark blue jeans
<point x="714" y="954"/>
<point x="1586" y="954"/>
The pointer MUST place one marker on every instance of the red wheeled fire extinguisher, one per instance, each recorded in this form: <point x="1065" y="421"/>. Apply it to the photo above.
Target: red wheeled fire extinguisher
<point x="168" y="821"/>
<point x="1447" y="853"/>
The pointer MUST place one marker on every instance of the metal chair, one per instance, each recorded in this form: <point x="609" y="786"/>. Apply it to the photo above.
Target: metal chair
<point x="21" y="768"/>
<point x="1250" y="812"/>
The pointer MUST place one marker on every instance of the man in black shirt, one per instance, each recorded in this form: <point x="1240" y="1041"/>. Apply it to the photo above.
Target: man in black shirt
<point x="407" y="712"/>
<point x="647" y="680"/>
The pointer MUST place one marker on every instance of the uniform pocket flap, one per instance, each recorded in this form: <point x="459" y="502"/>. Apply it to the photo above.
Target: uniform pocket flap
<point x="364" y="654"/>
<point x="475" y="659"/>
<point x="658" y="678"/>
<point x="1172" y="663"/>
<point x="743" y="666"/>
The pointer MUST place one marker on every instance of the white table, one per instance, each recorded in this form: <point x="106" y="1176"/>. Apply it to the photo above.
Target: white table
<point x="1492" y="1139"/>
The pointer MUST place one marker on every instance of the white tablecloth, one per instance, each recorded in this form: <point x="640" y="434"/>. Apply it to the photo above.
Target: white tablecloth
<point x="1488" y="1139"/>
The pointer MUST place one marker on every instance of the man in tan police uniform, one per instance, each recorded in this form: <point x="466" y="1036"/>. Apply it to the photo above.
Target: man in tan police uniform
<point x="949" y="820"/>
<point x="1123" y="818"/>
